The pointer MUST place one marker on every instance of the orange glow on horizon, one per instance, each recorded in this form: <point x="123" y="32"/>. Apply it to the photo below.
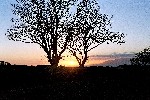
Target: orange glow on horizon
<point x="69" y="63"/>
<point x="72" y="62"/>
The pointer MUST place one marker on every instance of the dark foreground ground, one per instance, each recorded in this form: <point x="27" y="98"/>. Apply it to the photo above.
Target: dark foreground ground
<point x="40" y="83"/>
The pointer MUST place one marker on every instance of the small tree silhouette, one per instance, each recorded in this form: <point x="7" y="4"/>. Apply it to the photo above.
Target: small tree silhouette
<point x="142" y="58"/>
<point x="43" y="22"/>
<point x="90" y="29"/>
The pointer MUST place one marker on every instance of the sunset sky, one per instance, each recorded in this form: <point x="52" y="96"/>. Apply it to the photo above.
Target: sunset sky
<point x="131" y="17"/>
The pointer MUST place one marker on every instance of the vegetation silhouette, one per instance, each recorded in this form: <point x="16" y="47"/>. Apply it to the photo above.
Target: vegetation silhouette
<point x="90" y="28"/>
<point x="19" y="82"/>
<point x="43" y="22"/>
<point x="46" y="23"/>
<point x="50" y="24"/>
<point x="142" y="58"/>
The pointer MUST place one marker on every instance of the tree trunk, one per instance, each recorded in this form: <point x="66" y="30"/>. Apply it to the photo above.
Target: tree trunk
<point x="85" y="52"/>
<point x="84" y="60"/>
<point x="53" y="60"/>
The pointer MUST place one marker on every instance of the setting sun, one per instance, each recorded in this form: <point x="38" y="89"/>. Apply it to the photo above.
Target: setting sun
<point x="69" y="62"/>
<point x="72" y="63"/>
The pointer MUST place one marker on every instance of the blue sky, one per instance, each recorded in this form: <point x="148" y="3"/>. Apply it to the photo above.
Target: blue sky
<point x="131" y="17"/>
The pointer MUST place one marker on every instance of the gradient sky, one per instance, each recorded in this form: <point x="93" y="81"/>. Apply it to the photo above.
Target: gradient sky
<point x="131" y="17"/>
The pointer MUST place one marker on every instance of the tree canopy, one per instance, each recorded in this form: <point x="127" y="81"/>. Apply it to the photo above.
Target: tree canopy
<point x="50" y="24"/>
<point x="90" y="29"/>
<point x="43" y="22"/>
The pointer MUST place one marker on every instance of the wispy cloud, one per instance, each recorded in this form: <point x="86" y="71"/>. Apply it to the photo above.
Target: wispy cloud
<point x="125" y="54"/>
<point x="114" y="59"/>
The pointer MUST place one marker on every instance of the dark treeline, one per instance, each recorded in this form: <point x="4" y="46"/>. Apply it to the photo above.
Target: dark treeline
<point x="115" y="83"/>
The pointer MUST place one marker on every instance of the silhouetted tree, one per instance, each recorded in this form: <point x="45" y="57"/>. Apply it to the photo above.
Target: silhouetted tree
<point x="142" y="58"/>
<point x="43" y="22"/>
<point x="90" y="28"/>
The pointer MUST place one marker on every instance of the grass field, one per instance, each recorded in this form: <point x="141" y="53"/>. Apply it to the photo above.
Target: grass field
<point x="95" y="83"/>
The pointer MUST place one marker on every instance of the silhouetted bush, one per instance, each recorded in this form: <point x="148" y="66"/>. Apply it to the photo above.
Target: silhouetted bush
<point x="142" y="58"/>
